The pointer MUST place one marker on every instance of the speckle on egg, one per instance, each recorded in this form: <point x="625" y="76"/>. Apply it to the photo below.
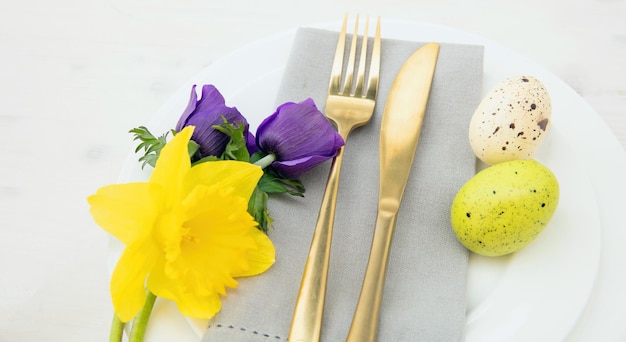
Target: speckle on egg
<point x="520" y="103"/>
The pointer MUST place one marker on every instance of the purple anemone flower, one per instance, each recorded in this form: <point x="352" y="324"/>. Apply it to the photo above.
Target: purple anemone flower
<point x="299" y="136"/>
<point x="207" y="112"/>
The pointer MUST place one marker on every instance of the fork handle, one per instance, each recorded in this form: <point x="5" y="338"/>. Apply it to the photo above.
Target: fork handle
<point x="306" y="324"/>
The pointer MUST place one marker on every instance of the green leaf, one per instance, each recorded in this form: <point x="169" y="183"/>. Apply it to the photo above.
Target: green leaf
<point x="257" y="207"/>
<point x="256" y="156"/>
<point x="236" y="148"/>
<point x="149" y="159"/>
<point x="192" y="147"/>
<point x="272" y="184"/>
<point x="150" y="144"/>
<point x="205" y="159"/>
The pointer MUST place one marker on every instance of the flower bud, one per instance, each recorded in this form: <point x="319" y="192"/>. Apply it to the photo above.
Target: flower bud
<point x="210" y="110"/>
<point x="299" y="136"/>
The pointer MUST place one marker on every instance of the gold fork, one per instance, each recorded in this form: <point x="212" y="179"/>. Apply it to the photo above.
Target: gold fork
<point x="348" y="106"/>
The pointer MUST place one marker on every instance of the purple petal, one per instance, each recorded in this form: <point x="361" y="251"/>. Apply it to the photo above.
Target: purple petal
<point x="191" y="106"/>
<point x="211" y="98"/>
<point x="293" y="169"/>
<point x="208" y="111"/>
<point x="297" y="130"/>
<point x="213" y="142"/>
<point x="251" y="143"/>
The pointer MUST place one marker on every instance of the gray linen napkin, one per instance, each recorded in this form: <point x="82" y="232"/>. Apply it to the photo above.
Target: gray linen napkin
<point x="425" y="291"/>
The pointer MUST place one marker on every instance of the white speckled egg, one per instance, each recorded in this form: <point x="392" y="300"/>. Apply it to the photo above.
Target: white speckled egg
<point x="511" y="120"/>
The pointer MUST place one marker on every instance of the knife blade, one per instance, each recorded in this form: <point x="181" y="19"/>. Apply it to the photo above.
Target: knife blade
<point x="400" y="130"/>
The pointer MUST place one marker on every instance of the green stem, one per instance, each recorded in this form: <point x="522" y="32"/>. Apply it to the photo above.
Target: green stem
<point x="141" y="322"/>
<point x="117" y="330"/>
<point x="266" y="161"/>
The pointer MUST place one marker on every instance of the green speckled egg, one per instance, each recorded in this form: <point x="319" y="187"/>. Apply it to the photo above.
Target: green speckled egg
<point x="504" y="207"/>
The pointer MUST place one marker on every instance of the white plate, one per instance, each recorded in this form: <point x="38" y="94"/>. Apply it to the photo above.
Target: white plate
<point x="538" y="293"/>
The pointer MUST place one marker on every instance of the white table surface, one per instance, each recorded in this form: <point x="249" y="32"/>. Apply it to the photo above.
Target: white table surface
<point x="75" y="76"/>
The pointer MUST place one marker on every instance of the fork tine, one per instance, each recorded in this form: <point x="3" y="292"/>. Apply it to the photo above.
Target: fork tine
<point x="335" y="74"/>
<point x="372" y="82"/>
<point x="347" y="85"/>
<point x="358" y="90"/>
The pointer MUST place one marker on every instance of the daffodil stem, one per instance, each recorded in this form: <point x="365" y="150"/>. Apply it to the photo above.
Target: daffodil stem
<point x="266" y="161"/>
<point x="141" y="322"/>
<point x="117" y="330"/>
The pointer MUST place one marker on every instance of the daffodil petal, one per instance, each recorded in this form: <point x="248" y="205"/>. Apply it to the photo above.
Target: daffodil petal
<point x="199" y="307"/>
<point x="217" y="243"/>
<point x="194" y="296"/>
<point x="240" y="176"/>
<point x="162" y="285"/>
<point x="128" y="279"/>
<point x="173" y="164"/>
<point x="261" y="258"/>
<point x="123" y="209"/>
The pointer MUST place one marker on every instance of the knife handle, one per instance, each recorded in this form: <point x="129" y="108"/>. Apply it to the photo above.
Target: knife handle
<point x="365" y="321"/>
<point x="306" y="324"/>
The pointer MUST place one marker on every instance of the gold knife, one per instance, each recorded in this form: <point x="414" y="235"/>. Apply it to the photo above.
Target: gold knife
<point x="400" y="130"/>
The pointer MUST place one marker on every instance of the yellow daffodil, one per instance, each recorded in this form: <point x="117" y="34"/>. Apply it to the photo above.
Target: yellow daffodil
<point x="187" y="232"/>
